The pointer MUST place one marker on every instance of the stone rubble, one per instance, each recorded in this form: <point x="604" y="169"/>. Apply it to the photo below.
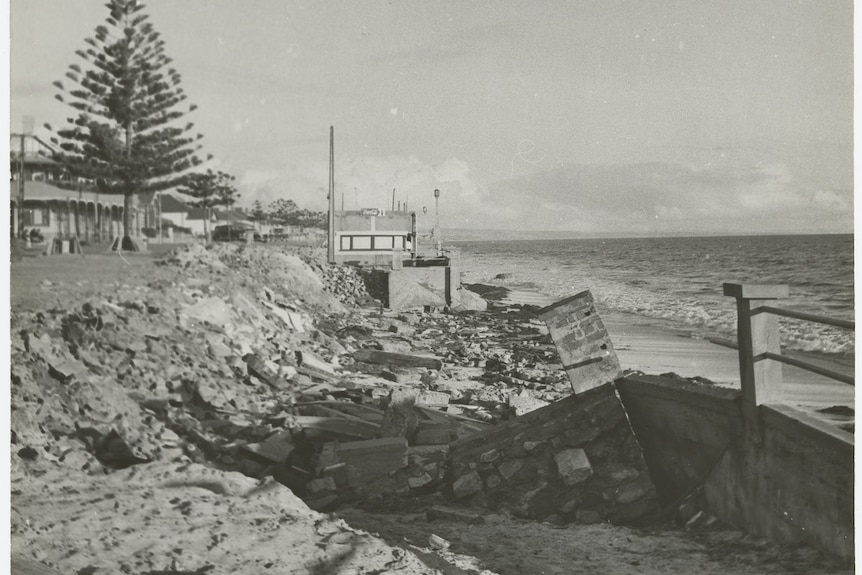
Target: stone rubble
<point x="247" y="359"/>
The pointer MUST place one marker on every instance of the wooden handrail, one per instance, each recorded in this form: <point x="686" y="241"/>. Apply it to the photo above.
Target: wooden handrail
<point x="758" y="339"/>
<point x="846" y="324"/>
<point x="843" y="378"/>
<point x="836" y="375"/>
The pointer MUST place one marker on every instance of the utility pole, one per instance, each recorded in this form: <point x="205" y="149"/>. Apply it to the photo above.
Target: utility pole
<point x="21" y="186"/>
<point x="437" y="222"/>
<point x="330" y="251"/>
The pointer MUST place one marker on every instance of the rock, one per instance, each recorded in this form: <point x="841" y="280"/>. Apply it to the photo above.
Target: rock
<point x="212" y="310"/>
<point x="587" y="517"/>
<point x="317" y="486"/>
<point x="573" y="466"/>
<point x="467" y="485"/>
<point x="437" y="542"/>
<point x="420" y="481"/>
<point x="509" y="468"/>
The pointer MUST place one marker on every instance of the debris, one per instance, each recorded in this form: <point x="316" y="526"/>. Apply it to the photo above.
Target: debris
<point x="400" y="419"/>
<point x="265" y="371"/>
<point x="437" y="542"/>
<point x="399" y="359"/>
<point x="369" y="460"/>
<point x="584" y="345"/>
<point x="313" y="366"/>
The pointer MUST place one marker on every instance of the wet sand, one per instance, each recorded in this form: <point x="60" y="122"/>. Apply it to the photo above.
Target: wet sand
<point x="655" y="347"/>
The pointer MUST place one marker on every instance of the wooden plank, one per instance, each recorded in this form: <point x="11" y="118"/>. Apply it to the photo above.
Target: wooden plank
<point x="393" y="358"/>
<point x="336" y="427"/>
<point x="321" y="410"/>
<point x="364" y="412"/>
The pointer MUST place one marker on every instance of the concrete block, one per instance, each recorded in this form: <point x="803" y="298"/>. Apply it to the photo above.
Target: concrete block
<point x="582" y="341"/>
<point x="433" y="399"/>
<point x="573" y="466"/>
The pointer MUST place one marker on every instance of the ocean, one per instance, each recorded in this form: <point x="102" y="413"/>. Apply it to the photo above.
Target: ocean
<point x="677" y="281"/>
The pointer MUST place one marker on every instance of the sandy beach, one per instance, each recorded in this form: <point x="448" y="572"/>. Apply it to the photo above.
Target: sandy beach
<point x="656" y="347"/>
<point x="218" y="517"/>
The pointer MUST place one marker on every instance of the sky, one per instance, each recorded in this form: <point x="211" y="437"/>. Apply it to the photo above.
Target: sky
<point x="591" y="117"/>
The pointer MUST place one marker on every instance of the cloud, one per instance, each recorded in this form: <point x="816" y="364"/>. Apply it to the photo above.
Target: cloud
<point x="669" y="197"/>
<point x="642" y="198"/>
<point x="369" y="181"/>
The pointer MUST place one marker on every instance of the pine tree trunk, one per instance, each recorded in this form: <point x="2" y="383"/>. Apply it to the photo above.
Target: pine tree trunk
<point x="129" y="241"/>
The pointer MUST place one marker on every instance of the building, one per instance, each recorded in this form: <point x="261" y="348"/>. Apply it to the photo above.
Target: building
<point x="40" y="198"/>
<point x="372" y="236"/>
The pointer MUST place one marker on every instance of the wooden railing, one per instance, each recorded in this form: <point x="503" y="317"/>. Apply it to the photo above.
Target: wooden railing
<point x="758" y="342"/>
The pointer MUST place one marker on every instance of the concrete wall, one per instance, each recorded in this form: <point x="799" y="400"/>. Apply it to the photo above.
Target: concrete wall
<point x="683" y="428"/>
<point x="791" y="480"/>
<point x="415" y="287"/>
<point x="785" y="476"/>
<point x="574" y="460"/>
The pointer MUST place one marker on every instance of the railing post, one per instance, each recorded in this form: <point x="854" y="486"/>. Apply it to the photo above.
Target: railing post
<point x="757" y="333"/>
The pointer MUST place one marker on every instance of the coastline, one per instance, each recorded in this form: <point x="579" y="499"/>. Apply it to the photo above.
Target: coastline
<point x="657" y="347"/>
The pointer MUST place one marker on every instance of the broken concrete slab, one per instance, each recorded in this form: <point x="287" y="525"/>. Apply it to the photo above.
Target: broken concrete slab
<point x="371" y="459"/>
<point x="314" y="366"/>
<point x="275" y="449"/>
<point x="582" y="341"/>
<point x="525" y="402"/>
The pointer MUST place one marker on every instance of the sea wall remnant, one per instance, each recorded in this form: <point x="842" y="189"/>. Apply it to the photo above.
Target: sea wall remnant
<point x="573" y="460"/>
<point x="790" y="478"/>
<point x="583" y="343"/>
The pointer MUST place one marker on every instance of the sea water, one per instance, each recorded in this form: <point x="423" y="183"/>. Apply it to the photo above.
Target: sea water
<point x="678" y="280"/>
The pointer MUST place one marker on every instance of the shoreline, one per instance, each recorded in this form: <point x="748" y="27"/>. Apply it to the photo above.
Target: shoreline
<point x="656" y="347"/>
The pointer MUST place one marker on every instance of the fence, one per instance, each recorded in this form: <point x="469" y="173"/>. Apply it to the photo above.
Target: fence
<point x="758" y="342"/>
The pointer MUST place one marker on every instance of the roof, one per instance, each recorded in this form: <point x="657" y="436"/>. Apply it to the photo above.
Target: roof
<point x="43" y="191"/>
<point x="171" y="205"/>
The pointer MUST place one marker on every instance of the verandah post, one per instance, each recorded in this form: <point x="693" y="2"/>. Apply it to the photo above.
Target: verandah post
<point x="757" y="333"/>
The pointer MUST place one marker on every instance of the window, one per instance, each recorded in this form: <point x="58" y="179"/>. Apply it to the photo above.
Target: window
<point x="37" y="217"/>
<point x="384" y="242"/>
<point x="361" y="243"/>
<point x="371" y="243"/>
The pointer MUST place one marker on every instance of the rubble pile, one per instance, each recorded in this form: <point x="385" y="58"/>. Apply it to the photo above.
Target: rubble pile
<point x="245" y="358"/>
